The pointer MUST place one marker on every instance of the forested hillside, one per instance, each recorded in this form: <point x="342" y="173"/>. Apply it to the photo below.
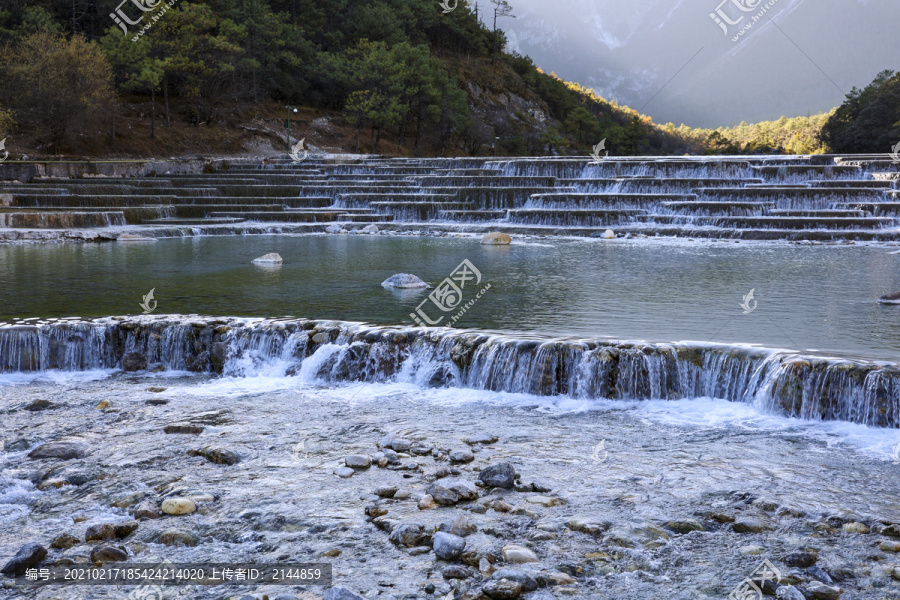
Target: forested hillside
<point x="393" y="76"/>
<point x="869" y="120"/>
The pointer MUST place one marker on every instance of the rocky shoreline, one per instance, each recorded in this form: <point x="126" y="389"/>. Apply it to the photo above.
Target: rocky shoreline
<point x="411" y="495"/>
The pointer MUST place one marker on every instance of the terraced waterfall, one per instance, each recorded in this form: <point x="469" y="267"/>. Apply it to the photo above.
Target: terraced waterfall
<point x="331" y="352"/>
<point x="795" y="198"/>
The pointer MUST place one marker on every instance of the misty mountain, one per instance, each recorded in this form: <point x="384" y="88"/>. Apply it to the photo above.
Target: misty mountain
<point x="670" y="59"/>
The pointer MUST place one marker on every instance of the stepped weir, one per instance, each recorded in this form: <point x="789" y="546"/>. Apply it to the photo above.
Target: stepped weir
<point x="766" y="197"/>
<point x="777" y="382"/>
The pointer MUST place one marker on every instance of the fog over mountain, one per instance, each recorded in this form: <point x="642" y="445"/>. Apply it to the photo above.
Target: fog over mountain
<point x="800" y="57"/>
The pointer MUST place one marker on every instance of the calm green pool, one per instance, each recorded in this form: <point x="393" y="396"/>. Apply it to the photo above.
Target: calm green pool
<point x="809" y="298"/>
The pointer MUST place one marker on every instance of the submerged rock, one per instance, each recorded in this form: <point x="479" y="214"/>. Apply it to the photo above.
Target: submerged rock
<point x="481" y="438"/>
<point x="183" y="428"/>
<point x="462" y="456"/>
<point x="27" y="556"/>
<point x="496" y="238"/>
<point x="748" y="525"/>
<point x="103" y="554"/>
<point x="134" y="361"/>
<point x="819" y="591"/>
<point x="39" y="405"/>
<point x="272" y="258"/>
<point x="174" y="537"/>
<point x="110" y="531"/>
<point x="801" y="559"/>
<point x="358" y="461"/>
<point x="61" y="450"/>
<point x="515" y="554"/>
<point x="134" y="237"/>
<point x="788" y="592"/>
<point x="456" y="572"/>
<point x="409" y="535"/>
<point x="64" y="541"/>
<point x="341" y="593"/>
<point x="890" y="298"/>
<point x="502" y="589"/>
<point x="404" y="281"/>
<point x="217" y="455"/>
<point x="520" y="576"/>
<point x="684" y="526"/>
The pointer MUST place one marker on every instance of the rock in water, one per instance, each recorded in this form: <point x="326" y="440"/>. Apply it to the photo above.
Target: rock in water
<point x="447" y="546"/>
<point x="819" y="591"/>
<point x="502" y="589"/>
<point x="359" y="461"/>
<point x="404" y="281"/>
<point x="520" y="576"/>
<point x="178" y="506"/>
<point x="341" y="593"/>
<point x="173" y="537"/>
<point x="788" y="592"/>
<point x="183" y="428"/>
<point x="134" y="237"/>
<point x="501" y="476"/>
<point x="61" y="450"/>
<point x="110" y="531"/>
<point x="409" y="535"/>
<point x="609" y="234"/>
<point x="27" y="556"/>
<point x="103" y="554"/>
<point x="272" y="258"/>
<point x="217" y="455"/>
<point x="514" y="554"/>
<point x="495" y="238"/>
<point x="373" y="228"/>
<point x="890" y="298"/>
<point x="134" y="361"/>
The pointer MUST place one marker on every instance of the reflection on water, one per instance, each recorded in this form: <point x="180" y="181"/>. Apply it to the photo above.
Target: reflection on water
<point x="809" y="298"/>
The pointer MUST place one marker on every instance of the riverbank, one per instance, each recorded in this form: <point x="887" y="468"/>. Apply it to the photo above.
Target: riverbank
<point x="627" y="500"/>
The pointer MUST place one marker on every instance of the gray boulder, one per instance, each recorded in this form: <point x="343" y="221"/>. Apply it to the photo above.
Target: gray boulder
<point x="447" y="546"/>
<point x="404" y="281"/>
<point x="502" y="475"/>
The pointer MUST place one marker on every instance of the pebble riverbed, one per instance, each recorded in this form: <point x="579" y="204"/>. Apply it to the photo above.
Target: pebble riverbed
<point x="623" y="501"/>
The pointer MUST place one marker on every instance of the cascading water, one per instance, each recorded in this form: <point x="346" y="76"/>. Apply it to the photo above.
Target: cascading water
<point x="777" y="382"/>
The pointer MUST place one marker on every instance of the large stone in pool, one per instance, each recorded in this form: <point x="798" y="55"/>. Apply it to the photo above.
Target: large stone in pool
<point x="496" y="238"/>
<point x="404" y="281"/>
<point x="890" y="298"/>
<point x="272" y="258"/>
